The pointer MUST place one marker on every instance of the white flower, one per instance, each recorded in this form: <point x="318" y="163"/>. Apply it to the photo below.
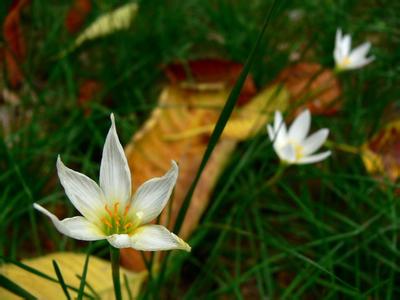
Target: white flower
<point x="109" y="211"/>
<point x="293" y="147"/>
<point x="346" y="59"/>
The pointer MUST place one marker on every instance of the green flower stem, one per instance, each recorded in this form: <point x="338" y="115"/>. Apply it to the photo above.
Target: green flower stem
<point x="278" y="174"/>
<point x="343" y="147"/>
<point x="114" y="254"/>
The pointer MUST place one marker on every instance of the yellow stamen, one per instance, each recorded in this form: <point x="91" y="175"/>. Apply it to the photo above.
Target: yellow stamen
<point x="127" y="225"/>
<point x="108" y="211"/>
<point x="116" y="205"/>
<point x="127" y="209"/>
<point x="105" y="221"/>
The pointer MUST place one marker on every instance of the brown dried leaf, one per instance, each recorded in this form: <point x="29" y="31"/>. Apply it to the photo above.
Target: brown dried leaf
<point x="149" y="153"/>
<point x="15" y="50"/>
<point x="381" y="154"/>
<point x="313" y="87"/>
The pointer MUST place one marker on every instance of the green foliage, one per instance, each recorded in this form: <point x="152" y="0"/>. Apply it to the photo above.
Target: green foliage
<point x="326" y="231"/>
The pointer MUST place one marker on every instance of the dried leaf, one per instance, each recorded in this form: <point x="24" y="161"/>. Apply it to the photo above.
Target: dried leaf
<point x="149" y="154"/>
<point x="15" y="50"/>
<point x="313" y="87"/>
<point x="108" y="23"/>
<point x="381" y="154"/>
<point x="247" y="120"/>
<point x="77" y="15"/>
<point x="71" y="265"/>
<point x="210" y="74"/>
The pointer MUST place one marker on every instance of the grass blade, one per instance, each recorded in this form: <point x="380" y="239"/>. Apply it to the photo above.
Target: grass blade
<point x="128" y="289"/>
<point x="84" y="273"/>
<point x="222" y="120"/>
<point x="15" y="288"/>
<point x="61" y="279"/>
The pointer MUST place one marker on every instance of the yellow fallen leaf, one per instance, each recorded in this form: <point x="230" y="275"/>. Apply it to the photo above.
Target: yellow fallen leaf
<point x="247" y="120"/>
<point x="71" y="265"/>
<point x="381" y="154"/>
<point x="149" y="153"/>
<point x="108" y="23"/>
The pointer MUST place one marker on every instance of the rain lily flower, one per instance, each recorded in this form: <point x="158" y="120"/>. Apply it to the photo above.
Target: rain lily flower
<point x="293" y="146"/>
<point x="347" y="59"/>
<point x="110" y="211"/>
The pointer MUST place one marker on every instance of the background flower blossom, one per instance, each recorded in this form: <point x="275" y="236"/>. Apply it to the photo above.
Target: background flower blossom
<point x="293" y="146"/>
<point x="347" y="59"/>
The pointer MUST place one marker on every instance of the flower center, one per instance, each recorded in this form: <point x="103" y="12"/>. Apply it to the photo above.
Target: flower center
<point x="298" y="150"/>
<point x="345" y="62"/>
<point x="115" y="222"/>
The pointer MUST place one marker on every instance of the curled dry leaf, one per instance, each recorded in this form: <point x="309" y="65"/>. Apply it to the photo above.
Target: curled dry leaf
<point x="381" y="154"/>
<point x="15" y="49"/>
<point x="71" y="265"/>
<point x="77" y="14"/>
<point x="108" y="23"/>
<point x="180" y="108"/>
<point x="313" y="87"/>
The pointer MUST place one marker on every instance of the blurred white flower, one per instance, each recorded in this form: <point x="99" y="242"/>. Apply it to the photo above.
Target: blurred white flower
<point x="347" y="59"/>
<point x="110" y="211"/>
<point x="293" y="146"/>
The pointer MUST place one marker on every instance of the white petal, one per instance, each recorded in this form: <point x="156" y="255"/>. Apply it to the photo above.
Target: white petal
<point x="83" y="192"/>
<point x="300" y="127"/>
<point x="346" y="45"/>
<point x="120" y="240"/>
<point x="280" y="131"/>
<point x="314" y="141"/>
<point x="152" y="196"/>
<point x="314" y="158"/>
<point x="360" y="63"/>
<point x="149" y="238"/>
<point x="337" y="53"/>
<point x="77" y="227"/>
<point x="360" y="52"/>
<point x="278" y="121"/>
<point x="338" y="36"/>
<point x="271" y="133"/>
<point x="286" y="153"/>
<point x="115" y="176"/>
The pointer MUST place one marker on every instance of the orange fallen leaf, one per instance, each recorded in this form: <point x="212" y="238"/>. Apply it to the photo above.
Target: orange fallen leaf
<point x="381" y="154"/>
<point x="312" y="86"/>
<point x="149" y="154"/>
<point x="15" y="49"/>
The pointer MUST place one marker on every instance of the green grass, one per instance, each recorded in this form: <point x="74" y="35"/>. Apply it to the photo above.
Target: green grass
<point x="325" y="231"/>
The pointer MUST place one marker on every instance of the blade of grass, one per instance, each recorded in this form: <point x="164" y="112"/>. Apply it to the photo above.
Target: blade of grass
<point x="219" y="127"/>
<point x="61" y="279"/>
<point x="222" y="120"/>
<point x="95" y="294"/>
<point x="84" y="273"/>
<point x="128" y="289"/>
<point x="15" y="288"/>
